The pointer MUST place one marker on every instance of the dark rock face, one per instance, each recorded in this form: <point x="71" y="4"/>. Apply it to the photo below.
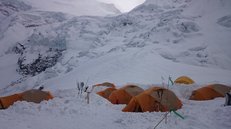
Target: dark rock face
<point x="38" y="65"/>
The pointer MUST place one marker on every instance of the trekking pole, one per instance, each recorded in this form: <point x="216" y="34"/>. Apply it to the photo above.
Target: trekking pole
<point x="88" y="97"/>
<point x="161" y="120"/>
<point x="78" y="87"/>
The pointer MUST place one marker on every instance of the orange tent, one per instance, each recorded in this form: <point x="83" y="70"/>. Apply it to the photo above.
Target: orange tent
<point x="6" y="101"/>
<point x="35" y="96"/>
<point x="102" y="86"/>
<point x="124" y="94"/>
<point x="107" y="84"/>
<point x="184" y="80"/>
<point x="154" y="99"/>
<point x="210" y="92"/>
<point x="106" y="93"/>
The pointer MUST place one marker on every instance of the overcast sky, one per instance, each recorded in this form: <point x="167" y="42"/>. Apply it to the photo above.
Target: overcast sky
<point x="124" y="5"/>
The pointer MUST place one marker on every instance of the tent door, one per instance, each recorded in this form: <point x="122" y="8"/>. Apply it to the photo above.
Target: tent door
<point x="137" y="109"/>
<point x="227" y="99"/>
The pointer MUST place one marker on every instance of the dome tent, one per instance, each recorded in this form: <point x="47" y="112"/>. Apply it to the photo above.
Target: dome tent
<point x="107" y="84"/>
<point x="124" y="94"/>
<point x="106" y="93"/>
<point x="154" y="99"/>
<point x="102" y="86"/>
<point x="184" y="80"/>
<point x="7" y="101"/>
<point x="36" y="96"/>
<point x="33" y="95"/>
<point x="210" y="92"/>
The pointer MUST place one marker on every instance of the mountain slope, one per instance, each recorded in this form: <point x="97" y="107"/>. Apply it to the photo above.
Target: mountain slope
<point x="156" y="40"/>
<point x="74" y="7"/>
<point x="153" y="40"/>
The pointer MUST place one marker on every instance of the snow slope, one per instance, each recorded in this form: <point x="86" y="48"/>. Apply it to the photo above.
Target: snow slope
<point x="74" y="7"/>
<point x="154" y="40"/>
<point x="150" y="34"/>
<point x="151" y="41"/>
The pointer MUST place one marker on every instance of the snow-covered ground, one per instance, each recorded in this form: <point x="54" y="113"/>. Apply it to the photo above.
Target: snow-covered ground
<point x="48" y="45"/>
<point x="69" y="111"/>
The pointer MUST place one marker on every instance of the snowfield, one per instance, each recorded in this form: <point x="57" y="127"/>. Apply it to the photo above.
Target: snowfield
<point x="69" y="111"/>
<point x="58" y="43"/>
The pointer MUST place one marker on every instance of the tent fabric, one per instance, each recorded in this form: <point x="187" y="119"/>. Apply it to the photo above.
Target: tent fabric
<point x="124" y="94"/>
<point x="7" y="101"/>
<point x="154" y="99"/>
<point x="220" y="88"/>
<point x="107" y="84"/>
<point x="33" y="95"/>
<point x="36" y="96"/>
<point x="184" y="80"/>
<point x="106" y="93"/>
<point x="210" y="92"/>
<point x="102" y="86"/>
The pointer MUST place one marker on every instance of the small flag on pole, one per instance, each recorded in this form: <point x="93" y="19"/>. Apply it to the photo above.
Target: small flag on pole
<point x="177" y="114"/>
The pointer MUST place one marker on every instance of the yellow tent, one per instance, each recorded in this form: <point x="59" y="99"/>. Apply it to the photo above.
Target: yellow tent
<point x="184" y="80"/>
